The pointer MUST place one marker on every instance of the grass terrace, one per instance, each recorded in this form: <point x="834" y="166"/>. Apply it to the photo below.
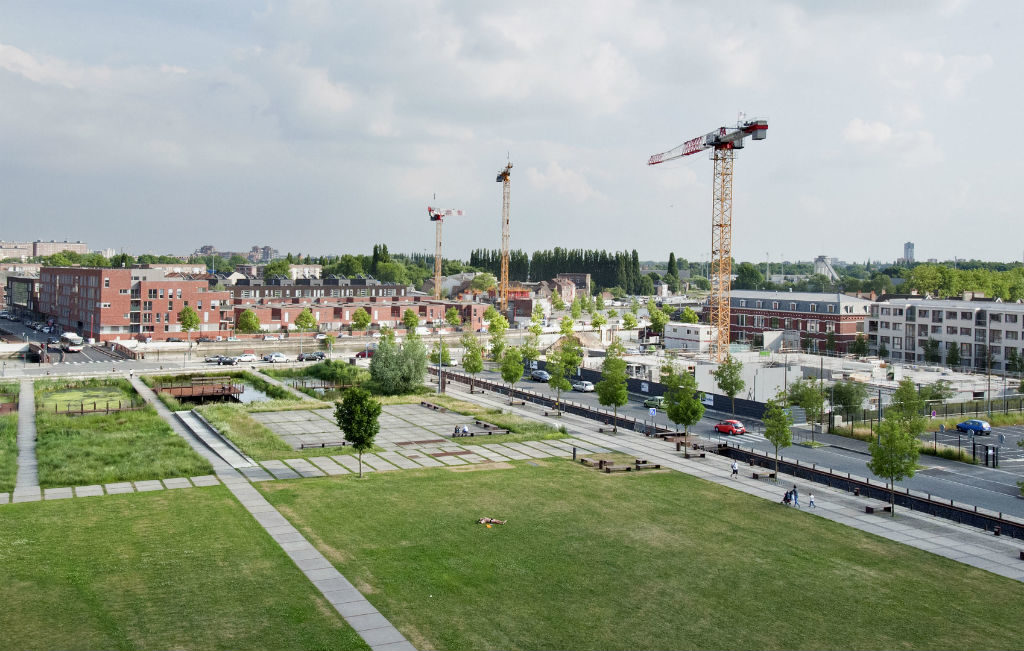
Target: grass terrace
<point x="183" y="569"/>
<point x="8" y="451"/>
<point x="650" y="560"/>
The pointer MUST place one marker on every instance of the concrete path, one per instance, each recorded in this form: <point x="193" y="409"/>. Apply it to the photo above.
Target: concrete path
<point x="26" y="485"/>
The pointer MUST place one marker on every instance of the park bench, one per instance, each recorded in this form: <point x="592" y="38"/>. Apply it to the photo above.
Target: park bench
<point x="325" y="444"/>
<point x="694" y="455"/>
<point x="871" y="509"/>
<point x="430" y="405"/>
<point x="763" y="474"/>
<point x="484" y="433"/>
<point x="610" y="467"/>
<point x="484" y="425"/>
<point x="643" y="464"/>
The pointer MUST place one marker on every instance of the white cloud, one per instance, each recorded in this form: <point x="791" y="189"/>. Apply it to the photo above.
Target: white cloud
<point x="862" y="132"/>
<point x="563" y="181"/>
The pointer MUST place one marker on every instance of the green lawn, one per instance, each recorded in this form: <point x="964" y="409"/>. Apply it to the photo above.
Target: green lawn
<point x="102" y="448"/>
<point x="8" y="451"/>
<point x="634" y="561"/>
<point x="185" y="569"/>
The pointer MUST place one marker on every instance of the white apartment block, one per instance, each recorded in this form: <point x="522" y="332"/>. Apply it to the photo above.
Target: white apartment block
<point x="689" y="337"/>
<point x="977" y="325"/>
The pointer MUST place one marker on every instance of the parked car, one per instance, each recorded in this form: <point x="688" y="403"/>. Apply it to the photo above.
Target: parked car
<point x="974" y="425"/>
<point x="276" y="358"/>
<point x="205" y="340"/>
<point x="174" y="339"/>
<point x="730" y="427"/>
<point x="540" y="376"/>
<point x="658" y="402"/>
<point x="233" y="339"/>
<point x="225" y="360"/>
<point x="320" y="335"/>
<point x="311" y="357"/>
<point x="583" y="386"/>
<point x="365" y="353"/>
<point x="212" y="358"/>
<point x="246" y="357"/>
<point x="271" y="337"/>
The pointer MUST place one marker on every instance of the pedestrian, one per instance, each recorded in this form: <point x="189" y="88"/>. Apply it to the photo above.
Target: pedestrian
<point x="810" y="501"/>
<point x="735" y="469"/>
<point x="796" y="497"/>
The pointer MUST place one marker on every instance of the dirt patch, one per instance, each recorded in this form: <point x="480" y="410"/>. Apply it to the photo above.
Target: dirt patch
<point x="496" y="465"/>
<point x="364" y="587"/>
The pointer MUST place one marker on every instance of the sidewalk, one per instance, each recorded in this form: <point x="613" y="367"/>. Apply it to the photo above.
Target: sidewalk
<point x="26" y="485"/>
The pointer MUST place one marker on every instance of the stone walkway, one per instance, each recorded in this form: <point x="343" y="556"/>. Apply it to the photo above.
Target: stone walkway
<point x="26" y="485"/>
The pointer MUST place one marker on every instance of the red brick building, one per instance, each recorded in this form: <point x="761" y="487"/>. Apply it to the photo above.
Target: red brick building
<point x="808" y="316"/>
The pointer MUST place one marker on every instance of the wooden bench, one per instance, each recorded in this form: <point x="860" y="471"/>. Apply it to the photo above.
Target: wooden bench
<point x="325" y="444"/>
<point x="484" y="433"/>
<point x="643" y="464"/>
<point x="694" y="455"/>
<point x="611" y="467"/>
<point x="763" y="475"/>
<point x="871" y="509"/>
<point x="430" y="405"/>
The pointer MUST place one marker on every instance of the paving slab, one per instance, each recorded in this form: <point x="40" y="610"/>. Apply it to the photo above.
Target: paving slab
<point x="149" y="485"/>
<point x="451" y="460"/>
<point x="548" y="450"/>
<point x="88" y="491"/>
<point x="27" y="495"/>
<point x="305" y="468"/>
<point x="508" y="452"/>
<point x="255" y="473"/>
<point x="119" y="488"/>
<point x="489" y="453"/>
<point x="398" y="460"/>
<point x="378" y="464"/>
<point x="178" y="482"/>
<point x="279" y="470"/>
<point x="530" y="452"/>
<point x="205" y="480"/>
<point x="328" y="466"/>
<point x="351" y="462"/>
<point x="423" y="459"/>
<point x="57" y="493"/>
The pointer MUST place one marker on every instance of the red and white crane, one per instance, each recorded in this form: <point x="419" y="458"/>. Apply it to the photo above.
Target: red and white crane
<point x="437" y="216"/>
<point x="725" y="141"/>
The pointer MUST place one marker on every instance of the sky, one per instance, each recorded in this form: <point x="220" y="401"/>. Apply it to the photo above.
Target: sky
<point x="323" y="127"/>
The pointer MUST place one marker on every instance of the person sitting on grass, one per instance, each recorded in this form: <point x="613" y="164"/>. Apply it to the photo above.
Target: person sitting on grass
<point x="490" y="521"/>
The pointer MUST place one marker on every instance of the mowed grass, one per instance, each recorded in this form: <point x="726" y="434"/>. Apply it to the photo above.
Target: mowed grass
<point x="634" y="561"/>
<point x="186" y="569"/>
<point x="102" y="448"/>
<point x="8" y="451"/>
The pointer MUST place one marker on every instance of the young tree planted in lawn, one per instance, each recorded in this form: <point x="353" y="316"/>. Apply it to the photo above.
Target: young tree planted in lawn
<point x="189" y="321"/>
<point x="576" y="309"/>
<point x="681" y="403"/>
<point x="452" y="317"/>
<point x="248" y="323"/>
<point x="599" y="302"/>
<point x="611" y="390"/>
<point x="472" y="357"/>
<point x="895" y="450"/>
<point x="778" y="423"/>
<point x="634" y="306"/>
<point x="729" y="378"/>
<point x="386" y="365"/>
<point x="511" y="368"/>
<point x="360" y="319"/>
<point x="357" y="416"/>
<point x="849" y="395"/>
<point x="598" y="320"/>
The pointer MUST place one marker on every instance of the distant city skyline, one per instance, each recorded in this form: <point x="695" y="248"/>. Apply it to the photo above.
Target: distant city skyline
<point x="327" y="127"/>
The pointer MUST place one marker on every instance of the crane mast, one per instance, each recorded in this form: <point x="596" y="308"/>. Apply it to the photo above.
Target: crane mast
<point x="437" y="216"/>
<point x="505" y="178"/>
<point x="725" y="141"/>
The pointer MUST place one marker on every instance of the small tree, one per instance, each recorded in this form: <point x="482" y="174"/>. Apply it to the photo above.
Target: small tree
<point x="778" y="423"/>
<point x="563" y="362"/>
<point x="658" y="318"/>
<point x="859" y="346"/>
<point x="953" y="354"/>
<point x="807" y="395"/>
<point x="411" y="321"/>
<point x="883" y="350"/>
<point x="511" y="368"/>
<point x="472" y="357"/>
<point x="357" y="416"/>
<point x="360" y="319"/>
<point x="248" y="323"/>
<point x="729" y="378"/>
<point x="440" y="353"/>
<point x="681" y="403"/>
<point x="556" y="301"/>
<point x="305" y="322"/>
<point x="452" y="317"/>
<point x="611" y="390"/>
<point x="689" y="316"/>
<point x="628" y="321"/>
<point x="530" y="348"/>
<point x="893" y="456"/>
<point x="849" y="395"/>
<point x="931" y="351"/>
<point x="598" y="320"/>
<point x="830" y="342"/>
<point x="386" y="365"/>
<point x="189" y="321"/>
<point x="576" y="309"/>
<point x="634" y="306"/>
<point x="497" y="326"/>
<point x="599" y="302"/>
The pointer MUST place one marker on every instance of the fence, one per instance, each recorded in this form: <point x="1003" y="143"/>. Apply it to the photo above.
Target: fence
<point x="93" y="407"/>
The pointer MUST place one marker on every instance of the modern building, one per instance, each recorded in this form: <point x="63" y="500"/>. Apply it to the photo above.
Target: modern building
<point x="908" y="251"/>
<point x="689" y="337"/>
<point x="53" y="247"/>
<point x="903" y="325"/>
<point x="248" y="290"/>
<point x="810" y="317"/>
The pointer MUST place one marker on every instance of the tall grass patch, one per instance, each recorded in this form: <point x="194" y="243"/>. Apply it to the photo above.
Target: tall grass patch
<point x="8" y="451"/>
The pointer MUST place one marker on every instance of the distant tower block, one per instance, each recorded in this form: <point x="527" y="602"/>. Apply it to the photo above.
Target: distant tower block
<point x="908" y="251"/>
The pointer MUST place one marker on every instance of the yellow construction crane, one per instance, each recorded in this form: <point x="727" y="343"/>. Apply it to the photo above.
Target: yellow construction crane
<point x="437" y="216"/>
<point x="505" y="178"/>
<point x="725" y="141"/>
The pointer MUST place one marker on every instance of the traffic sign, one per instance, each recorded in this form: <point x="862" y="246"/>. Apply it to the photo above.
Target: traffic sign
<point x="653" y="412"/>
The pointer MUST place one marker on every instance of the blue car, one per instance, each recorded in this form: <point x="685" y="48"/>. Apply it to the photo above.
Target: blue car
<point x="974" y="425"/>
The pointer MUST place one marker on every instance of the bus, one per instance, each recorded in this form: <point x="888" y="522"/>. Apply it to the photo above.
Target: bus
<point x="71" y="342"/>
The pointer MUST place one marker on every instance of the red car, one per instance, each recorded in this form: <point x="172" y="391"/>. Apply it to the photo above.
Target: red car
<point x="365" y="353"/>
<point x="730" y="427"/>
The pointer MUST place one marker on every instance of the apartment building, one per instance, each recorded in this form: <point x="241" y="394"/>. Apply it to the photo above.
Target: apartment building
<point x="251" y="290"/>
<point x="337" y="314"/>
<point x="809" y="316"/>
<point x="975" y="324"/>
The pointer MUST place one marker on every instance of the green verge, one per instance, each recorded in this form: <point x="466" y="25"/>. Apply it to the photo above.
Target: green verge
<point x="184" y="569"/>
<point x="633" y="561"/>
<point x="8" y="451"/>
<point x="103" y="448"/>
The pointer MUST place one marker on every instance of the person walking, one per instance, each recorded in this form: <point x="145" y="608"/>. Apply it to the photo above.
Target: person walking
<point x="810" y="501"/>
<point x="735" y="469"/>
<point x="796" y="497"/>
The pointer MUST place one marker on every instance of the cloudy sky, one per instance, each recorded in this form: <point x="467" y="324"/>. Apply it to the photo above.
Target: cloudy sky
<point x="324" y="127"/>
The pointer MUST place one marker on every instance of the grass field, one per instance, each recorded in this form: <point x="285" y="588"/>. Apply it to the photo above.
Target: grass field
<point x="186" y="569"/>
<point x="634" y="561"/>
<point x="102" y="448"/>
<point x="8" y="451"/>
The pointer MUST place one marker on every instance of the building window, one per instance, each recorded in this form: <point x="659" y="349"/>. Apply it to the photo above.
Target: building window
<point x="106" y="282"/>
<point x="922" y="313"/>
<point x="1011" y="318"/>
<point x="950" y="315"/>
<point x="897" y="343"/>
<point x="792" y="307"/>
<point x="965" y="332"/>
<point x="831" y="308"/>
<point x="1011" y="334"/>
<point x="775" y="305"/>
<point x="966" y="316"/>
<point x="995" y="318"/>
<point x="951" y="330"/>
<point x="151" y="293"/>
<point x="170" y="305"/>
<point x="743" y="303"/>
<point x="936" y="330"/>
<point x="104" y="305"/>
<point x="886" y="311"/>
<point x="758" y="304"/>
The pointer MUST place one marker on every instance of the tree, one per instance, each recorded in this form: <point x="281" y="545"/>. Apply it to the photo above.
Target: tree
<point x="452" y="317"/>
<point x="277" y="268"/>
<point x="938" y="391"/>
<point x="1014" y="363"/>
<point x="576" y="309"/>
<point x="563" y="362"/>
<point x="497" y="325"/>
<point x="511" y="368"/>
<point x="681" y="403"/>
<point x="859" y="346"/>
<point x="483" y="282"/>
<point x="357" y="416"/>
<point x="883" y="351"/>
<point x="248" y="323"/>
<point x="689" y="316"/>
<point x="440" y="354"/>
<point x="830" y="342"/>
<point x="556" y="300"/>
<point x="398" y="369"/>
<point x="305" y="322"/>
<point x="611" y="390"/>
<point x="850" y="396"/>
<point x="472" y="357"/>
<point x="907" y="407"/>
<point x="953" y="354"/>
<point x="778" y="423"/>
<point x="729" y="378"/>
<point x="189" y="321"/>
<point x="599" y="302"/>
<point x="411" y="320"/>
<point x="807" y="394"/>
<point x="598" y="320"/>
<point x="360" y="319"/>
<point x="634" y="306"/>
<point x="748" y="277"/>
<point x="628" y="321"/>
<point x="658" y="318"/>
<point x="931" y="351"/>
<point x="893" y="456"/>
<point x="646" y="286"/>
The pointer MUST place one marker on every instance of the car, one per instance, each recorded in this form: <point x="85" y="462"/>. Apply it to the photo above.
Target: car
<point x="225" y="360"/>
<point x="212" y="358"/>
<point x="658" y="402"/>
<point x="276" y="358"/>
<point x="365" y="353"/>
<point x="583" y="386"/>
<point x="174" y="339"/>
<point x="311" y="357"/>
<point x="246" y="357"/>
<point x="730" y="427"/>
<point x="975" y="426"/>
<point x="320" y="335"/>
<point x="233" y="339"/>
<point x="271" y="337"/>
<point x="52" y="340"/>
<point x="540" y="376"/>
<point x="205" y="340"/>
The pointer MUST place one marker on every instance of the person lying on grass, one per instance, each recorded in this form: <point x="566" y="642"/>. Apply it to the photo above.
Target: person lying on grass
<point x="490" y="521"/>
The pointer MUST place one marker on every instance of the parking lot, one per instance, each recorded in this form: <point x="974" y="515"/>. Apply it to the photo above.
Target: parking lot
<point x="1011" y="455"/>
